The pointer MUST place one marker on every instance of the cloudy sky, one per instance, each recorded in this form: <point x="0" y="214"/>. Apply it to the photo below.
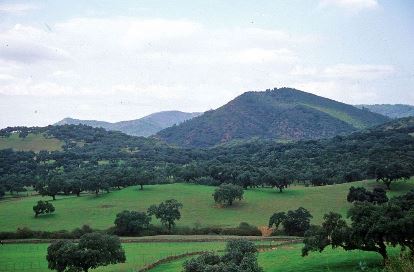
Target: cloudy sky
<point x="121" y="60"/>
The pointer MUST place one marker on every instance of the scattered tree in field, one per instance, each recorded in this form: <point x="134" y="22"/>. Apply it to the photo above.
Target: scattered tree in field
<point x="241" y="255"/>
<point x="167" y="212"/>
<point x="276" y="219"/>
<point x="389" y="173"/>
<point x="131" y="222"/>
<point x="227" y="193"/>
<point x="2" y="191"/>
<point x="372" y="228"/>
<point x="92" y="251"/>
<point x="297" y="222"/>
<point x="43" y="207"/>
<point x="377" y="196"/>
<point x="51" y="186"/>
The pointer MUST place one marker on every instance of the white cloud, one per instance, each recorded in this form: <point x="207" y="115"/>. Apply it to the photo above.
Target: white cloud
<point x="353" y="5"/>
<point x="16" y="8"/>
<point x="356" y="72"/>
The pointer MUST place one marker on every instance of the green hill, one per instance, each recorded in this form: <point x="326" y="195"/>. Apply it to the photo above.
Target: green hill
<point x="144" y="126"/>
<point x="284" y="114"/>
<point x="392" y="111"/>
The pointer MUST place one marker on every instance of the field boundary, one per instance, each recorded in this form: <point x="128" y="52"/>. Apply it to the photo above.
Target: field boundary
<point x="165" y="238"/>
<point x="261" y="248"/>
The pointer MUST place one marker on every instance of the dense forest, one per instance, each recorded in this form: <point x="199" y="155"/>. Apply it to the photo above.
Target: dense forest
<point x="95" y="160"/>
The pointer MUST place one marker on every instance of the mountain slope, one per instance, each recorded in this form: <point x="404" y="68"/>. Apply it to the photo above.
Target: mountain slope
<point x="392" y="111"/>
<point x="144" y="126"/>
<point x="284" y="114"/>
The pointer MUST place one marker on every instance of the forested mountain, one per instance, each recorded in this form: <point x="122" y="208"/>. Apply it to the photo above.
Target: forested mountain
<point x="392" y="111"/>
<point x="144" y="126"/>
<point x="284" y="114"/>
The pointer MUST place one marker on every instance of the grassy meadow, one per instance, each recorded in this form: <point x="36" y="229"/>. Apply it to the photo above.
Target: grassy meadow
<point x="33" y="142"/>
<point x="199" y="208"/>
<point x="31" y="257"/>
<point x="288" y="259"/>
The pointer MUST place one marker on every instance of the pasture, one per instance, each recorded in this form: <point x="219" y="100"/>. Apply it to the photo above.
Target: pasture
<point x="199" y="208"/>
<point x="32" y="142"/>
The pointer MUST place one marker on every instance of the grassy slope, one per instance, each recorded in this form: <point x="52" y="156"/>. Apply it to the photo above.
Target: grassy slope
<point x="288" y="259"/>
<point x="33" y="142"/>
<point x="259" y="204"/>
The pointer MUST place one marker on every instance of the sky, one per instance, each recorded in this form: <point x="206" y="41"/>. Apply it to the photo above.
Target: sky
<point x="121" y="60"/>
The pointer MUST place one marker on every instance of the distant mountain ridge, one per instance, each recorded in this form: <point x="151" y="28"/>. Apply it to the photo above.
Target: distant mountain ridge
<point x="145" y="126"/>
<point x="284" y="114"/>
<point x="392" y="111"/>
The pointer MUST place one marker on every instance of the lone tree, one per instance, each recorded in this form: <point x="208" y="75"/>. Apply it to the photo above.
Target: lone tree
<point x="392" y="172"/>
<point x="43" y="207"/>
<point x="227" y="193"/>
<point x="276" y="219"/>
<point x="297" y="222"/>
<point x="130" y="222"/>
<point x="377" y="196"/>
<point x="241" y="255"/>
<point x="167" y="212"/>
<point x="92" y="251"/>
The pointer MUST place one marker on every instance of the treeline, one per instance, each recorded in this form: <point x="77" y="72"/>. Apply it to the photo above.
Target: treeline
<point x="96" y="160"/>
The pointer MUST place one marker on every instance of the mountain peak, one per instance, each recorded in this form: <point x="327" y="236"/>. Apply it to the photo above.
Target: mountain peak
<point x="284" y="114"/>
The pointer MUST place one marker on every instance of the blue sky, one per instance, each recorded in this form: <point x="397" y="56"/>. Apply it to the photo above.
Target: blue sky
<point x="120" y="60"/>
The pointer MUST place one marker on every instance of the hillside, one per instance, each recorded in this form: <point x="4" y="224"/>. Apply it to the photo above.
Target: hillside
<point x="144" y="126"/>
<point x="392" y="111"/>
<point x="284" y="114"/>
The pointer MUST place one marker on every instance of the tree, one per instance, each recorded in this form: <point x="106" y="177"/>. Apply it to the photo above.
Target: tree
<point x="167" y="212"/>
<point x="43" y="207"/>
<point x="227" y="193"/>
<point x="377" y="196"/>
<point x="297" y="222"/>
<point x="240" y="255"/>
<point x="51" y="186"/>
<point x="372" y="227"/>
<point x="131" y="222"/>
<point x="2" y="191"/>
<point x="276" y="219"/>
<point x="92" y="251"/>
<point x="389" y="173"/>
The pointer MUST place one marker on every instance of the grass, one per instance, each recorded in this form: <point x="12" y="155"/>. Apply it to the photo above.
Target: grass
<point x="31" y="257"/>
<point x="288" y="259"/>
<point x="33" y="142"/>
<point x="343" y="116"/>
<point x="100" y="211"/>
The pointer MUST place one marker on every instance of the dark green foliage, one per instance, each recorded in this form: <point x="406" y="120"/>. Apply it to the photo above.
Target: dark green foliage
<point x="92" y="251"/>
<point x="227" y="193"/>
<point x="297" y="222"/>
<point x="131" y="223"/>
<point x="392" y="172"/>
<point x="284" y="113"/>
<point x="276" y="219"/>
<point x="377" y="196"/>
<point x="43" y="207"/>
<point x="2" y="191"/>
<point x="167" y="212"/>
<point x="372" y="227"/>
<point x="240" y="256"/>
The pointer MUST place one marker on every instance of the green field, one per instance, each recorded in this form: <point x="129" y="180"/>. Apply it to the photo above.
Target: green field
<point x="100" y="211"/>
<point x="288" y="259"/>
<point x="31" y="257"/>
<point x="33" y="142"/>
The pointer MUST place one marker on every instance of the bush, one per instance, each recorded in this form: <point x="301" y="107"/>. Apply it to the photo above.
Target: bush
<point x="131" y="222"/>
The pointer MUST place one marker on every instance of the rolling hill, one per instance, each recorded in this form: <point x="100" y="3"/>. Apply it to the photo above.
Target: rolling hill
<point x="392" y="111"/>
<point x="144" y="126"/>
<point x="284" y="114"/>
